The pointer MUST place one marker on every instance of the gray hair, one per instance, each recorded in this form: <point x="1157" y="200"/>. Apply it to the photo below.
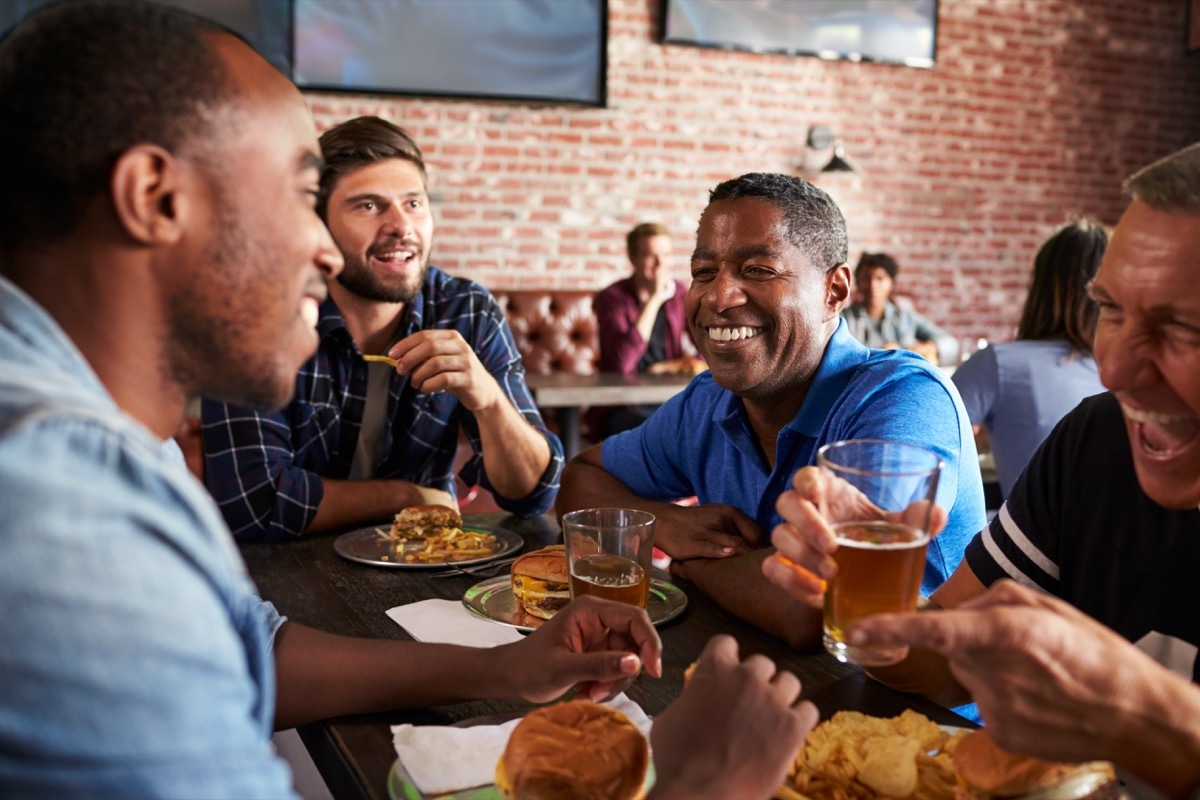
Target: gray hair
<point x="1171" y="183"/>
<point x="813" y="220"/>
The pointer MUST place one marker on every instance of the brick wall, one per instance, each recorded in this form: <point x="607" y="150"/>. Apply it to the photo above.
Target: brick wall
<point x="1034" y="112"/>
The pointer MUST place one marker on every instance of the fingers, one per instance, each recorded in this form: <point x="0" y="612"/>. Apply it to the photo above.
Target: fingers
<point x="794" y="579"/>
<point x="923" y="515"/>
<point x="944" y="632"/>
<point x="622" y="624"/>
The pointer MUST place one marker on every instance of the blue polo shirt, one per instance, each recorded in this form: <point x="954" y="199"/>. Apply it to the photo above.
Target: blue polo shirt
<point x="701" y="443"/>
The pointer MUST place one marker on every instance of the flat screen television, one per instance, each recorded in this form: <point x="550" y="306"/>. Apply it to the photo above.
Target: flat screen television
<point x="889" y="31"/>
<point x="265" y="24"/>
<point x="532" y="50"/>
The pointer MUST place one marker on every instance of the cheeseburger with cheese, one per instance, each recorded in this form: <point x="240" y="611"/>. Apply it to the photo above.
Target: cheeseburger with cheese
<point x="540" y="582"/>
<point x="417" y="523"/>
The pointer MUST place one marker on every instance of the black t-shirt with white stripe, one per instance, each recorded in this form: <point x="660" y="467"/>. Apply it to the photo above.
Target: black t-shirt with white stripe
<point x="1078" y="525"/>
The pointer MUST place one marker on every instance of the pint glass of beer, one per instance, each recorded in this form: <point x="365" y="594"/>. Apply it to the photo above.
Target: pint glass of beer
<point x="878" y="497"/>
<point x="609" y="552"/>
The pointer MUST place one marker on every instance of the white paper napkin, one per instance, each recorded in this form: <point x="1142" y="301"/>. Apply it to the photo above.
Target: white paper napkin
<point x="449" y="622"/>
<point x="444" y="759"/>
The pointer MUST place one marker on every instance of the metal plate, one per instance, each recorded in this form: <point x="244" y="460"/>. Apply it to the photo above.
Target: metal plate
<point x="493" y="600"/>
<point x="366" y="546"/>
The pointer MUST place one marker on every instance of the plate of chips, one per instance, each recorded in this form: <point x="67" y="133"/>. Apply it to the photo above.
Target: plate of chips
<point x="853" y="756"/>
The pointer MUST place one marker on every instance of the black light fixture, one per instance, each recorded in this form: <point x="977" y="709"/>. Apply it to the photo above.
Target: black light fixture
<point x="821" y="138"/>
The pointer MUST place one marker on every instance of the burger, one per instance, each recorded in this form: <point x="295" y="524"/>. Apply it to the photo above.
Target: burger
<point x="574" y="751"/>
<point x="417" y="523"/>
<point x="991" y="772"/>
<point x="539" y="581"/>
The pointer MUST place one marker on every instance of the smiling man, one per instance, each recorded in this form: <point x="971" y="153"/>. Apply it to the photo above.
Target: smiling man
<point x="769" y="280"/>
<point x="1105" y="517"/>
<point x="362" y="440"/>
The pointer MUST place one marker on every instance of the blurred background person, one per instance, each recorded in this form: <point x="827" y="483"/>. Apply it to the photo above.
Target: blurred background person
<point x="642" y="325"/>
<point x="876" y="320"/>
<point x="1018" y="391"/>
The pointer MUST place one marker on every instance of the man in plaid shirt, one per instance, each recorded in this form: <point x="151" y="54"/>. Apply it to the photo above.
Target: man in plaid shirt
<point x="362" y="440"/>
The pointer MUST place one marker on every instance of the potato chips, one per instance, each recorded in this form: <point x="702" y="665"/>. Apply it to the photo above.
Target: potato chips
<point x="852" y="756"/>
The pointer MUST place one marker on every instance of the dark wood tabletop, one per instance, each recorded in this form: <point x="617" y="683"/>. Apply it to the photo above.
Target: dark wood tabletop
<point x="311" y="584"/>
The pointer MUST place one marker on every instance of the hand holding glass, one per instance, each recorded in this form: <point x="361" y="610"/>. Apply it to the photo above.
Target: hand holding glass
<point x="890" y="487"/>
<point x="609" y="552"/>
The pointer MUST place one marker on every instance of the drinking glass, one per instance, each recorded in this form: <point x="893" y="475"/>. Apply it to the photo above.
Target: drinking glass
<point x="609" y="552"/>
<point x="878" y="498"/>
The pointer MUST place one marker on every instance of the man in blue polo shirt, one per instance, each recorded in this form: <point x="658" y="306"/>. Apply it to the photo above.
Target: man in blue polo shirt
<point x="769" y="280"/>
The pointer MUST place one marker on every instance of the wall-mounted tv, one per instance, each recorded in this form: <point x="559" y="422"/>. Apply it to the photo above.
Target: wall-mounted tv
<point x="265" y="24"/>
<point x="531" y="50"/>
<point x="889" y="31"/>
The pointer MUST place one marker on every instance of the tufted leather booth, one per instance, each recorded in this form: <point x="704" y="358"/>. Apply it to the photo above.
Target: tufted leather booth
<point x="555" y="331"/>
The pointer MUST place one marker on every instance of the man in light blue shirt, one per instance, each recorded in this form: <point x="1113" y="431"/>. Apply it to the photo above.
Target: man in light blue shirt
<point x="769" y="280"/>
<point x="158" y="241"/>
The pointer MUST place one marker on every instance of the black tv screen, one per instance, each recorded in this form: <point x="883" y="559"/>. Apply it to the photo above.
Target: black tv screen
<point x="537" y="50"/>
<point x="265" y="24"/>
<point x="891" y="31"/>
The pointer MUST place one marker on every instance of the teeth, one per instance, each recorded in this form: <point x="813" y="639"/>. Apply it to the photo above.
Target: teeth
<point x="732" y="334"/>
<point x="391" y="255"/>
<point x="310" y="312"/>
<point x="1153" y="417"/>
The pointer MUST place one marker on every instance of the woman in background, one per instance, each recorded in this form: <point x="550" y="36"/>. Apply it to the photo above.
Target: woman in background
<point x="1018" y="391"/>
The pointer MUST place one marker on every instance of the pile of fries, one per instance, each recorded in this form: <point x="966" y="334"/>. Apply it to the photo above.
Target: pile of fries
<point x="852" y="756"/>
<point x="450" y="544"/>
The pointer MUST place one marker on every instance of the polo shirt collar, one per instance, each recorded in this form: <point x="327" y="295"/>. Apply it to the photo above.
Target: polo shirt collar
<point x="843" y="356"/>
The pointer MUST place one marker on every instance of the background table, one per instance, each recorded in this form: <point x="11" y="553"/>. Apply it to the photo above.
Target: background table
<point x="568" y="394"/>
<point x="311" y="584"/>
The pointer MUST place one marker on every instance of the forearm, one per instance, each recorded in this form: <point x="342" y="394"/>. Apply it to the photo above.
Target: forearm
<point x="924" y="672"/>
<point x="515" y="454"/>
<point x="349" y="502"/>
<point x="646" y="318"/>
<point x="1159" y="740"/>
<point x="587" y="485"/>
<point x="320" y="675"/>
<point x="737" y="585"/>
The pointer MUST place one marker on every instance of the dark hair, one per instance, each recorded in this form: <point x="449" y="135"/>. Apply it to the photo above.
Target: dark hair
<point x="882" y="260"/>
<point x="361" y="141"/>
<point x="1058" y="306"/>
<point x="1171" y="183"/>
<point x="814" y="221"/>
<point x="80" y="83"/>
<point x="645" y="230"/>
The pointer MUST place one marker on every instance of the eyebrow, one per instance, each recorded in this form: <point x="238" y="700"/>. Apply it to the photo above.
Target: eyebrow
<point x="739" y="254"/>
<point x="310" y="160"/>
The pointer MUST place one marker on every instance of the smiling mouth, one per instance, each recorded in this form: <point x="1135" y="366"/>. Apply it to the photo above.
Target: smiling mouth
<point x="394" y="257"/>
<point x="1162" y="435"/>
<point x="732" y="334"/>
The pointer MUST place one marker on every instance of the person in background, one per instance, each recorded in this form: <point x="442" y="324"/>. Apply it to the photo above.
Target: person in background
<point x="769" y="280"/>
<point x="176" y="250"/>
<point x="876" y="320"/>
<point x="361" y="440"/>
<point x="1097" y="546"/>
<point x="642" y="325"/>
<point x="1017" y="391"/>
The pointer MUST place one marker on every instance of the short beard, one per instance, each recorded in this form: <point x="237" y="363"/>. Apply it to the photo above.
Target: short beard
<point x="360" y="281"/>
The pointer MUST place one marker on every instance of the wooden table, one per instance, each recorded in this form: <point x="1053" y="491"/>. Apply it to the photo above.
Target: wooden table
<point x="309" y="583"/>
<point x="568" y="393"/>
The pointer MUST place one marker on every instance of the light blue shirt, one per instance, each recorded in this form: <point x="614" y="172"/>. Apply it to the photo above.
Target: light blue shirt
<point x="1019" y="391"/>
<point x="700" y="442"/>
<point x="135" y="658"/>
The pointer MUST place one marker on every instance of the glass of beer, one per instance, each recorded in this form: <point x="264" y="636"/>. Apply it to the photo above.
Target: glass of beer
<point x="878" y="498"/>
<point x="608" y="553"/>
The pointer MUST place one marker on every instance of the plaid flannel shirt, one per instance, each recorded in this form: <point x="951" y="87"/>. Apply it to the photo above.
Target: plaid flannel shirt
<point x="265" y="469"/>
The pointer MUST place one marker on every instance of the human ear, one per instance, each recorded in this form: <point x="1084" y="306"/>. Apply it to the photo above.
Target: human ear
<point x="148" y="190"/>
<point x="837" y="287"/>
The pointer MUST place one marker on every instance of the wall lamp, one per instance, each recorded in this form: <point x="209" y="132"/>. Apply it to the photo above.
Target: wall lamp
<point x="822" y="138"/>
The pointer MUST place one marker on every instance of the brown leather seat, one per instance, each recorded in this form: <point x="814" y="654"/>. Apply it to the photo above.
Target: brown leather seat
<point x="555" y="330"/>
